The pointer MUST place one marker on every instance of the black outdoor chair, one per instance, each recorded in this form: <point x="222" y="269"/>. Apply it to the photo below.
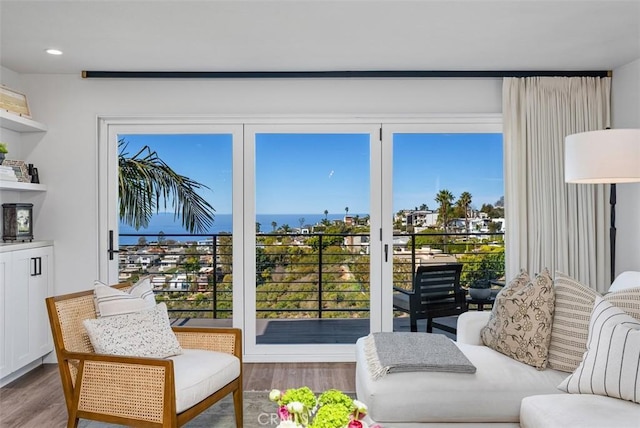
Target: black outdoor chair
<point x="436" y="293"/>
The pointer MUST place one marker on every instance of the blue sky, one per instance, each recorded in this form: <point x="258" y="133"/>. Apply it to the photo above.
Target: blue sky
<point x="310" y="173"/>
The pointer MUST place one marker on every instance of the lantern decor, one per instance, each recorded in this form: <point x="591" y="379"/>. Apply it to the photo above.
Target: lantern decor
<point x="17" y="222"/>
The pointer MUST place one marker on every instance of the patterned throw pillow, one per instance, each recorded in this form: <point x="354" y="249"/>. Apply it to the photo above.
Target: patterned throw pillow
<point x="521" y="319"/>
<point x="140" y="334"/>
<point x="574" y="303"/>
<point x="610" y="365"/>
<point x="111" y="301"/>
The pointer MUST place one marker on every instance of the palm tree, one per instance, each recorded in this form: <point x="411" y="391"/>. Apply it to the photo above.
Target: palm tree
<point x="145" y="180"/>
<point x="346" y="211"/>
<point x="326" y="212"/>
<point x="464" y="202"/>
<point x="274" y="225"/>
<point x="445" y="199"/>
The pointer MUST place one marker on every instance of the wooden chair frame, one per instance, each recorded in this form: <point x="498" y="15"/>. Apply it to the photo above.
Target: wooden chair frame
<point x="129" y="390"/>
<point x="436" y="293"/>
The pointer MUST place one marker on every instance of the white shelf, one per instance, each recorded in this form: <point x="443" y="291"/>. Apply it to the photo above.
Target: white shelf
<point x="22" y="187"/>
<point x="19" y="123"/>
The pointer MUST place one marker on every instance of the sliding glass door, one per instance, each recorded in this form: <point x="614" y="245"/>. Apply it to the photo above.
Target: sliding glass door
<point x="310" y="208"/>
<point x="445" y="198"/>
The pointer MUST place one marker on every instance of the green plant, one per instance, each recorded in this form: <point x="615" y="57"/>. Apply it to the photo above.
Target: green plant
<point x="3" y="148"/>
<point x="480" y="283"/>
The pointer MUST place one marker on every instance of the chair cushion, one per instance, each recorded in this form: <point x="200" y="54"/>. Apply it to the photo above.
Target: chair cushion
<point x="574" y="303"/>
<point x="199" y="373"/>
<point x="112" y="301"/>
<point x="140" y="334"/>
<point x="610" y="365"/>
<point x="579" y="411"/>
<point x="521" y="320"/>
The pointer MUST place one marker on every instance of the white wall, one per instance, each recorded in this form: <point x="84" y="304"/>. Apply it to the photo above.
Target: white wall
<point x="625" y="96"/>
<point x="66" y="156"/>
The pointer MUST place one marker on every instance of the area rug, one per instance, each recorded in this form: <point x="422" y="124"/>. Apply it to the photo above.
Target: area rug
<point x="258" y="412"/>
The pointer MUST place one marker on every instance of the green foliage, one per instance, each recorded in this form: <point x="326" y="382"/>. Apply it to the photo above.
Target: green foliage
<point x="3" y="148"/>
<point x="145" y="182"/>
<point x="487" y="265"/>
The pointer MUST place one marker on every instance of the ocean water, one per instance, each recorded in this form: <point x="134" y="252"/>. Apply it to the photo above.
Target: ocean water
<point x="165" y="222"/>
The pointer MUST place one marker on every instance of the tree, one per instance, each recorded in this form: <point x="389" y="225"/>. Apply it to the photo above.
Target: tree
<point x="142" y="241"/>
<point x="301" y="222"/>
<point x="326" y="212"/>
<point x="258" y="227"/>
<point x="445" y="199"/>
<point x="161" y="238"/>
<point x="145" y="181"/>
<point x="464" y="202"/>
<point x="346" y="211"/>
<point x="274" y="225"/>
<point x="424" y="207"/>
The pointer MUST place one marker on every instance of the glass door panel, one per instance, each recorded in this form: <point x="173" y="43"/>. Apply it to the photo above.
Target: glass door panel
<point x="190" y="270"/>
<point x="312" y="239"/>
<point x="447" y="199"/>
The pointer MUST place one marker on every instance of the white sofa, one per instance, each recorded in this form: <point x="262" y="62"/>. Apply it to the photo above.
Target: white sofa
<point x="502" y="392"/>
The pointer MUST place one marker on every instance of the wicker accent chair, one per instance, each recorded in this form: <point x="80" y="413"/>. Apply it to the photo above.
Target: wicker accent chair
<point x="131" y="391"/>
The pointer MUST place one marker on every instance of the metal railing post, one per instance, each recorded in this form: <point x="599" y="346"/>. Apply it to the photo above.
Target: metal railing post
<point x="214" y="298"/>
<point x="320" y="275"/>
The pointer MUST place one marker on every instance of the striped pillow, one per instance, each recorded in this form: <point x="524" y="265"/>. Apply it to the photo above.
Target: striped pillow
<point x="611" y="365"/>
<point x="574" y="303"/>
<point x="628" y="300"/>
<point x="111" y="301"/>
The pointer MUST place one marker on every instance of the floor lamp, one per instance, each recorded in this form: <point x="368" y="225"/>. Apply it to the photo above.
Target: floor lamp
<point x="609" y="156"/>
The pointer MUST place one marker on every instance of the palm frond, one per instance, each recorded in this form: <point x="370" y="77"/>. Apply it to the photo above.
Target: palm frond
<point x="146" y="181"/>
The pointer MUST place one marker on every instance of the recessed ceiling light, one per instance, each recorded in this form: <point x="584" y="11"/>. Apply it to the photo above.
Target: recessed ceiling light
<point x="53" y="51"/>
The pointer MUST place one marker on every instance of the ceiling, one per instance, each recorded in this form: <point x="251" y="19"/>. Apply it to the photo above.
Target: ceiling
<point x="318" y="35"/>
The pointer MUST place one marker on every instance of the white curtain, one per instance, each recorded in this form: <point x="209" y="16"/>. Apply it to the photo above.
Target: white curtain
<point x="549" y="223"/>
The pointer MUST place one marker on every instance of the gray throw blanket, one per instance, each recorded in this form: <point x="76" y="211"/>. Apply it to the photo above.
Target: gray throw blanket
<point x="411" y="352"/>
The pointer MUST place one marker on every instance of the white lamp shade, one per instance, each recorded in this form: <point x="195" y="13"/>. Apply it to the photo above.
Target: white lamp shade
<point x="608" y="156"/>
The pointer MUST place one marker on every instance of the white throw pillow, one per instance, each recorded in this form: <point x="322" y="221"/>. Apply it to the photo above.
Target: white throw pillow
<point x="610" y="364"/>
<point x="111" y="301"/>
<point x="140" y="334"/>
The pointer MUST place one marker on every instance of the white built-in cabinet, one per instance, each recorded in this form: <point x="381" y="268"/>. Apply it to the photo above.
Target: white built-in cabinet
<point x="26" y="281"/>
<point x="26" y="278"/>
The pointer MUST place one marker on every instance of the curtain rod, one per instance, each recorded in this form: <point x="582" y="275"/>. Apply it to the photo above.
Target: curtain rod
<point x="90" y="74"/>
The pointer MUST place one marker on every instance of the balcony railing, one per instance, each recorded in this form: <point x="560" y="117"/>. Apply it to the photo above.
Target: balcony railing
<point x="317" y="275"/>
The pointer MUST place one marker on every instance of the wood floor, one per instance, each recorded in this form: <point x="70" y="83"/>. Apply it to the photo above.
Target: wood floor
<point x="36" y="400"/>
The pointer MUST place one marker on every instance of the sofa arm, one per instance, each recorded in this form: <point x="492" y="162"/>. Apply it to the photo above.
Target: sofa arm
<point x="469" y="326"/>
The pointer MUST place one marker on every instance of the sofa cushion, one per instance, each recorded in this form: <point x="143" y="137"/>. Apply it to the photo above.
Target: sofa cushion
<point x="610" y="366"/>
<point x="574" y="303"/>
<point x="521" y="320"/>
<point x="111" y="301"/>
<point x="579" y="411"/>
<point x="140" y="334"/>
<point x="492" y="394"/>
<point x="625" y="280"/>
<point x="199" y="373"/>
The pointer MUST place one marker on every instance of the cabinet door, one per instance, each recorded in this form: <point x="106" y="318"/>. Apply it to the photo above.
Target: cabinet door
<point x="31" y="271"/>
<point x="5" y="331"/>
<point x="40" y="287"/>
<point x="18" y="309"/>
